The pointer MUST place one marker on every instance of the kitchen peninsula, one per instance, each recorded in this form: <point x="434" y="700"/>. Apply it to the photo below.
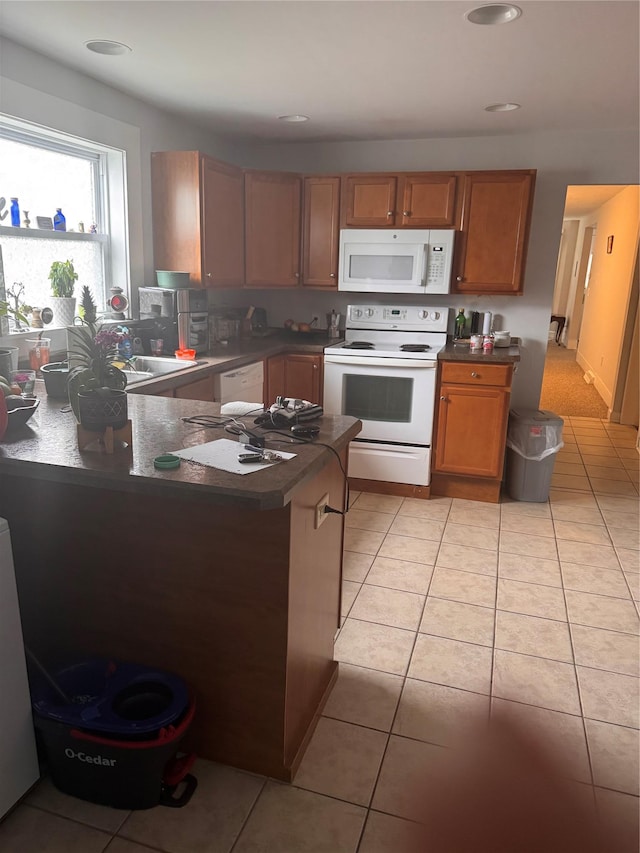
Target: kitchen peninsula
<point x="224" y="579"/>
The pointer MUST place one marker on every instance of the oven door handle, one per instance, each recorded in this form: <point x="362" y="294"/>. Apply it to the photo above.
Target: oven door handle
<point x="379" y="362"/>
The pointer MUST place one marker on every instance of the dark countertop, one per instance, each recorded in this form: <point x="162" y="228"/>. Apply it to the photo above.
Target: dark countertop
<point x="48" y="450"/>
<point x="246" y="350"/>
<point x="236" y="354"/>
<point x="462" y="352"/>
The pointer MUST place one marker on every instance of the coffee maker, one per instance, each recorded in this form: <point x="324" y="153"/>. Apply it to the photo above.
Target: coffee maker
<point x="178" y="317"/>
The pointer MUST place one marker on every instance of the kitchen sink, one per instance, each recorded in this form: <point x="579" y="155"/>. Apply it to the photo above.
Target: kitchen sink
<point x="148" y="367"/>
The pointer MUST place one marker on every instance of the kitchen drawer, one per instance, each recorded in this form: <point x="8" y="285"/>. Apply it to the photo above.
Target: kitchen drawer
<point x="476" y="373"/>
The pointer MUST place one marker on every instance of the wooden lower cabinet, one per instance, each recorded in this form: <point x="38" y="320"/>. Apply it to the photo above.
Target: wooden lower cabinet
<point x="471" y="428"/>
<point x="294" y="375"/>
<point x="201" y="389"/>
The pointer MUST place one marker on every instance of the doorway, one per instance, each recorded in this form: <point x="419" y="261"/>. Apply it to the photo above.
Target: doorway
<point x="594" y="304"/>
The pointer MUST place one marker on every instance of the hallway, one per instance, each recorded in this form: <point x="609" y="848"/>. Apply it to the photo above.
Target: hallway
<point x="564" y="391"/>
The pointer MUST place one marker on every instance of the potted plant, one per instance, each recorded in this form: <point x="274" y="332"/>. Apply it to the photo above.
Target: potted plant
<point x="96" y="386"/>
<point x="56" y="374"/>
<point x="63" y="278"/>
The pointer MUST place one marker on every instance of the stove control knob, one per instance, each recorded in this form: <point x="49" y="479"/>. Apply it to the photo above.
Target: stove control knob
<point x="435" y="315"/>
<point x="357" y="312"/>
<point x="424" y="315"/>
<point x="370" y="312"/>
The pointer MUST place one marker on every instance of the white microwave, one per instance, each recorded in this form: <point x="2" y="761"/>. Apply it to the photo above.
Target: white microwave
<point x="387" y="261"/>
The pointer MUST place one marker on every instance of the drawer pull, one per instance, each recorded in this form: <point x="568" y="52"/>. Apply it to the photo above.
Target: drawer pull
<point x="474" y="374"/>
<point x="444" y="399"/>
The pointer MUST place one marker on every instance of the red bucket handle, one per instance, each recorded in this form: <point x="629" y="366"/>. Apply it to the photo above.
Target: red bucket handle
<point x="165" y="735"/>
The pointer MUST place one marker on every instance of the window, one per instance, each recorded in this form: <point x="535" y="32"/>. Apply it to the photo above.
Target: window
<point x="46" y="170"/>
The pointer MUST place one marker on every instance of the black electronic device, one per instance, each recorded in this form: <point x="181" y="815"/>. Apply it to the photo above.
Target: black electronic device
<point x="305" y="430"/>
<point x="287" y="411"/>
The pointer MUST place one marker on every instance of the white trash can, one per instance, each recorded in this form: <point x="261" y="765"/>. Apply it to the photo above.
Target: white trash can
<point x="534" y="437"/>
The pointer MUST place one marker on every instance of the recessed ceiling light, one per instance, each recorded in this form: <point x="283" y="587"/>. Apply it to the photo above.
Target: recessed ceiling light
<point x="495" y="13"/>
<point x="501" y="108"/>
<point x="294" y="118"/>
<point x="107" y="48"/>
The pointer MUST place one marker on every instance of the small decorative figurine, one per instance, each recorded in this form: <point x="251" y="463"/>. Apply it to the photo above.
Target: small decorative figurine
<point x="26" y="222"/>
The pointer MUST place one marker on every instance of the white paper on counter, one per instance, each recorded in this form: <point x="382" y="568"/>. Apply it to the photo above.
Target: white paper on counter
<point x="223" y="454"/>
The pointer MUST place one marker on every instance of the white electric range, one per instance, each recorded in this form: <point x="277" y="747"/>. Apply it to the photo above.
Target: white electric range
<point x="384" y="373"/>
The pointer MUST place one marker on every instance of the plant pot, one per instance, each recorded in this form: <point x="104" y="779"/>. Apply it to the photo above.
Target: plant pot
<point x="64" y="310"/>
<point x="56" y="376"/>
<point x="8" y="361"/>
<point x="102" y="408"/>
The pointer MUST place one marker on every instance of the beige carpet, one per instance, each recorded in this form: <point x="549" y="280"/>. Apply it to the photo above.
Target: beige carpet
<point x="564" y="391"/>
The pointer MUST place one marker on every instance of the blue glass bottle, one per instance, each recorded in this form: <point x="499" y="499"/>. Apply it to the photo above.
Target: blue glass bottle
<point x="59" y="220"/>
<point x="15" y="213"/>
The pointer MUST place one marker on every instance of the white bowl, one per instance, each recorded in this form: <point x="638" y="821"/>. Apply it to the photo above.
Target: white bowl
<point x="502" y="339"/>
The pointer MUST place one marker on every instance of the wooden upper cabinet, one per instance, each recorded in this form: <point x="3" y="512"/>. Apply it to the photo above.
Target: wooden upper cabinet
<point x="197" y="217"/>
<point x="492" y="245"/>
<point x="369" y="200"/>
<point x="471" y="429"/>
<point x="222" y="224"/>
<point x="175" y="208"/>
<point x="320" y="231"/>
<point x="427" y="200"/>
<point x="272" y="229"/>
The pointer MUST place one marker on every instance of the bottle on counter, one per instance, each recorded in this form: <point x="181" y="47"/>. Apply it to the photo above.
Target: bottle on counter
<point x="15" y="213"/>
<point x="461" y="322"/>
<point x="59" y="220"/>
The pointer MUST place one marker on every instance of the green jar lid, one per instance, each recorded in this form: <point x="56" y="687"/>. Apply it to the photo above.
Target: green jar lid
<point x="166" y="461"/>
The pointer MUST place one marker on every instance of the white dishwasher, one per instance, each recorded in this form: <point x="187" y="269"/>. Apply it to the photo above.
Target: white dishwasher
<point x="245" y="384"/>
<point x="17" y="740"/>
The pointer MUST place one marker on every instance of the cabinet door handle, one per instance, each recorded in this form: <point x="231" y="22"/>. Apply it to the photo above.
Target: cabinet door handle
<point x="297" y="274"/>
<point x="332" y="275"/>
<point x="315" y="366"/>
<point x="459" y="278"/>
<point x="444" y="399"/>
<point x="389" y="213"/>
<point x="474" y="374"/>
<point x="209" y="275"/>
<point x="406" y="213"/>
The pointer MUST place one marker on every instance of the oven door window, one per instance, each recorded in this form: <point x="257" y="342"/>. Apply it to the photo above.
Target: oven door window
<point x="378" y="398"/>
<point x="382" y="267"/>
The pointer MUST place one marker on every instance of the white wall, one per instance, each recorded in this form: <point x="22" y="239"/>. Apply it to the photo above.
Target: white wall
<point x="606" y="306"/>
<point x="37" y="89"/>
<point x="565" y="268"/>
<point x="598" y="157"/>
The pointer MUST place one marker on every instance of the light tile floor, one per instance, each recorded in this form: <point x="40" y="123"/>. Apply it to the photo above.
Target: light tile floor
<point x="453" y="611"/>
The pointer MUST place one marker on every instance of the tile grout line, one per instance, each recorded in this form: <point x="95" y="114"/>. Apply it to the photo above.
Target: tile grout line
<point x="384" y="751"/>
<point x="249" y="813"/>
<point x="575" y="676"/>
<point x="402" y="688"/>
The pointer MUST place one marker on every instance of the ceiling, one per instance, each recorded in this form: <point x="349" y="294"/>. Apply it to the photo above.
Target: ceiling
<point x="360" y="70"/>
<point x="583" y="200"/>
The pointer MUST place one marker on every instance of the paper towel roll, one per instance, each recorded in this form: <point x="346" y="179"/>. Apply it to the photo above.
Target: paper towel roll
<point x="486" y="323"/>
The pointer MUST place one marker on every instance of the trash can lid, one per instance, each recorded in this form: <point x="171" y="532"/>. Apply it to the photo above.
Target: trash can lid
<point x="535" y="416"/>
<point x="113" y="697"/>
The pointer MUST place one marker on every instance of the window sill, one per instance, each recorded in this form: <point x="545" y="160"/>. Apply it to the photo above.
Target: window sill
<point x="46" y="234"/>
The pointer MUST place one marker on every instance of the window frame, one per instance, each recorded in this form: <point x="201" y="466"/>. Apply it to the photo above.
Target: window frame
<point x="110" y="187"/>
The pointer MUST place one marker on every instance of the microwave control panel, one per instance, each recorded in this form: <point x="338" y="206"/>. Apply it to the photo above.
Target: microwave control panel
<point x="439" y="260"/>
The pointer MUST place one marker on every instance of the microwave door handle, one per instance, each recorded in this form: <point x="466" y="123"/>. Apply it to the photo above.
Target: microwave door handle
<point x="380" y="362"/>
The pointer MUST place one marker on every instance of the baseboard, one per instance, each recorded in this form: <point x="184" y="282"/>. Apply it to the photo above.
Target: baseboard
<point x="598" y="384"/>
<point x="291" y="771"/>
<point x="471" y="488"/>
<point x="381" y="487"/>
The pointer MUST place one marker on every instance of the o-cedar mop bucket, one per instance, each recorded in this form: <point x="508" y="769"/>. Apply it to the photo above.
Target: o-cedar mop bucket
<point x="116" y="743"/>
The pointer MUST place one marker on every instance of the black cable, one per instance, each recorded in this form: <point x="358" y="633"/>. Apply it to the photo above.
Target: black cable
<point x="293" y="439"/>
